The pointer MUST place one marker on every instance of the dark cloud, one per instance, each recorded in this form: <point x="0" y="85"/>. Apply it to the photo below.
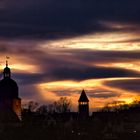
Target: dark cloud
<point x="28" y="92"/>
<point x="100" y="56"/>
<point x="96" y="93"/>
<point x="31" y="93"/>
<point x="53" y="19"/>
<point x="83" y="73"/>
<point x="65" y="92"/>
<point x="76" y="74"/>
<point x="131" y="85"/>
<point x="29" y="78"/>
<point x="104" y="94"/>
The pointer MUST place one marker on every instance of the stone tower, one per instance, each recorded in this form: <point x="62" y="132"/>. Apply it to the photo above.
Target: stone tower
<point x="83" y="105"/>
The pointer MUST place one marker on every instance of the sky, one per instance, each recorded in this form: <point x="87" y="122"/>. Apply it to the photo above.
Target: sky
<point x="58" y="48"/>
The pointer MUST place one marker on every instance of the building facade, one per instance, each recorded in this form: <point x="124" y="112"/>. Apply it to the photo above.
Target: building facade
<point x="9" y="96"/>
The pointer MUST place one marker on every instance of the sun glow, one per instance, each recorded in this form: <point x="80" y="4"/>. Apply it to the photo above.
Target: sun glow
<point x="25" y="67"/>
<point x="22" y="67"/>
<point x="127" y="100"/>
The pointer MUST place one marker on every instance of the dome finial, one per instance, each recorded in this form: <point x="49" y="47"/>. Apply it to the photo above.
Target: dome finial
<point x="7" y="72"/>
<point x="7" y="61"/>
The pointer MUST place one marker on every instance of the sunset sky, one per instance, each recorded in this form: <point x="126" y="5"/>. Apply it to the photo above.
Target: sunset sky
<point x="59" y="47"/>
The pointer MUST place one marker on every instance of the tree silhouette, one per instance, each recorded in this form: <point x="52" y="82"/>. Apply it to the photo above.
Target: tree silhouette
<point x="120" y="106"/>
<point x="32" y="106"/>
<point x="62" y="105"/>
<point x="43" y="109"/>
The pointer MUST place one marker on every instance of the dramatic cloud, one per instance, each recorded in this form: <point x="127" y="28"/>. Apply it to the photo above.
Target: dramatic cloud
<point x="52" y="19"/>
<point x="131" y="85"/>
<point x="77" y="65"/>
<point x="102" y="94"/>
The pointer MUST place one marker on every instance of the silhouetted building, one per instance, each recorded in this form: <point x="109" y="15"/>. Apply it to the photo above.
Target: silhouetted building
<point x="10" y="103"/>
<point x="83" y="105"/>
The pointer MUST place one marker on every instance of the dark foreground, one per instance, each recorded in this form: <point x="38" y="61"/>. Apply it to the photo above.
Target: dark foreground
<point x="64" y="131"/>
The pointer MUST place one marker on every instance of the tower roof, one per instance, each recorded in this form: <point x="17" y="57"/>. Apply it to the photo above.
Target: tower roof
<point x="7" y="71"/>
<point x="83" y="97"/>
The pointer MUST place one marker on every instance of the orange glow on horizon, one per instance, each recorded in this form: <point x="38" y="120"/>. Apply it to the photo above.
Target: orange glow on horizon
<point x="73" y="89"/>
<point x="127" y="100"/>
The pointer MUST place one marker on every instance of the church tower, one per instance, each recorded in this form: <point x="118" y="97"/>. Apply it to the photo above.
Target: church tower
<point x="9" y="98"/>
<point x="83" y="105"/>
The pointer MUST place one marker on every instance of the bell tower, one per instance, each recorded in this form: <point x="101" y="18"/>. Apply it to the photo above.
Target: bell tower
<point x="83" y="108"/>
<point x="9" y="95"/>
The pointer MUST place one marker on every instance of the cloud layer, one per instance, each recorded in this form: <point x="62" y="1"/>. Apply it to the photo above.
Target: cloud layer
<point x="51" y="19"/>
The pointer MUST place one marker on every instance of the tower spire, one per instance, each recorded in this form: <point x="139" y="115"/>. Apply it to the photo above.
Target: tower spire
<point x="7" y="57"/>
<point x="7" y="72"/>
<point x="83" y="105"/>
<point x="6" y="63"/>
